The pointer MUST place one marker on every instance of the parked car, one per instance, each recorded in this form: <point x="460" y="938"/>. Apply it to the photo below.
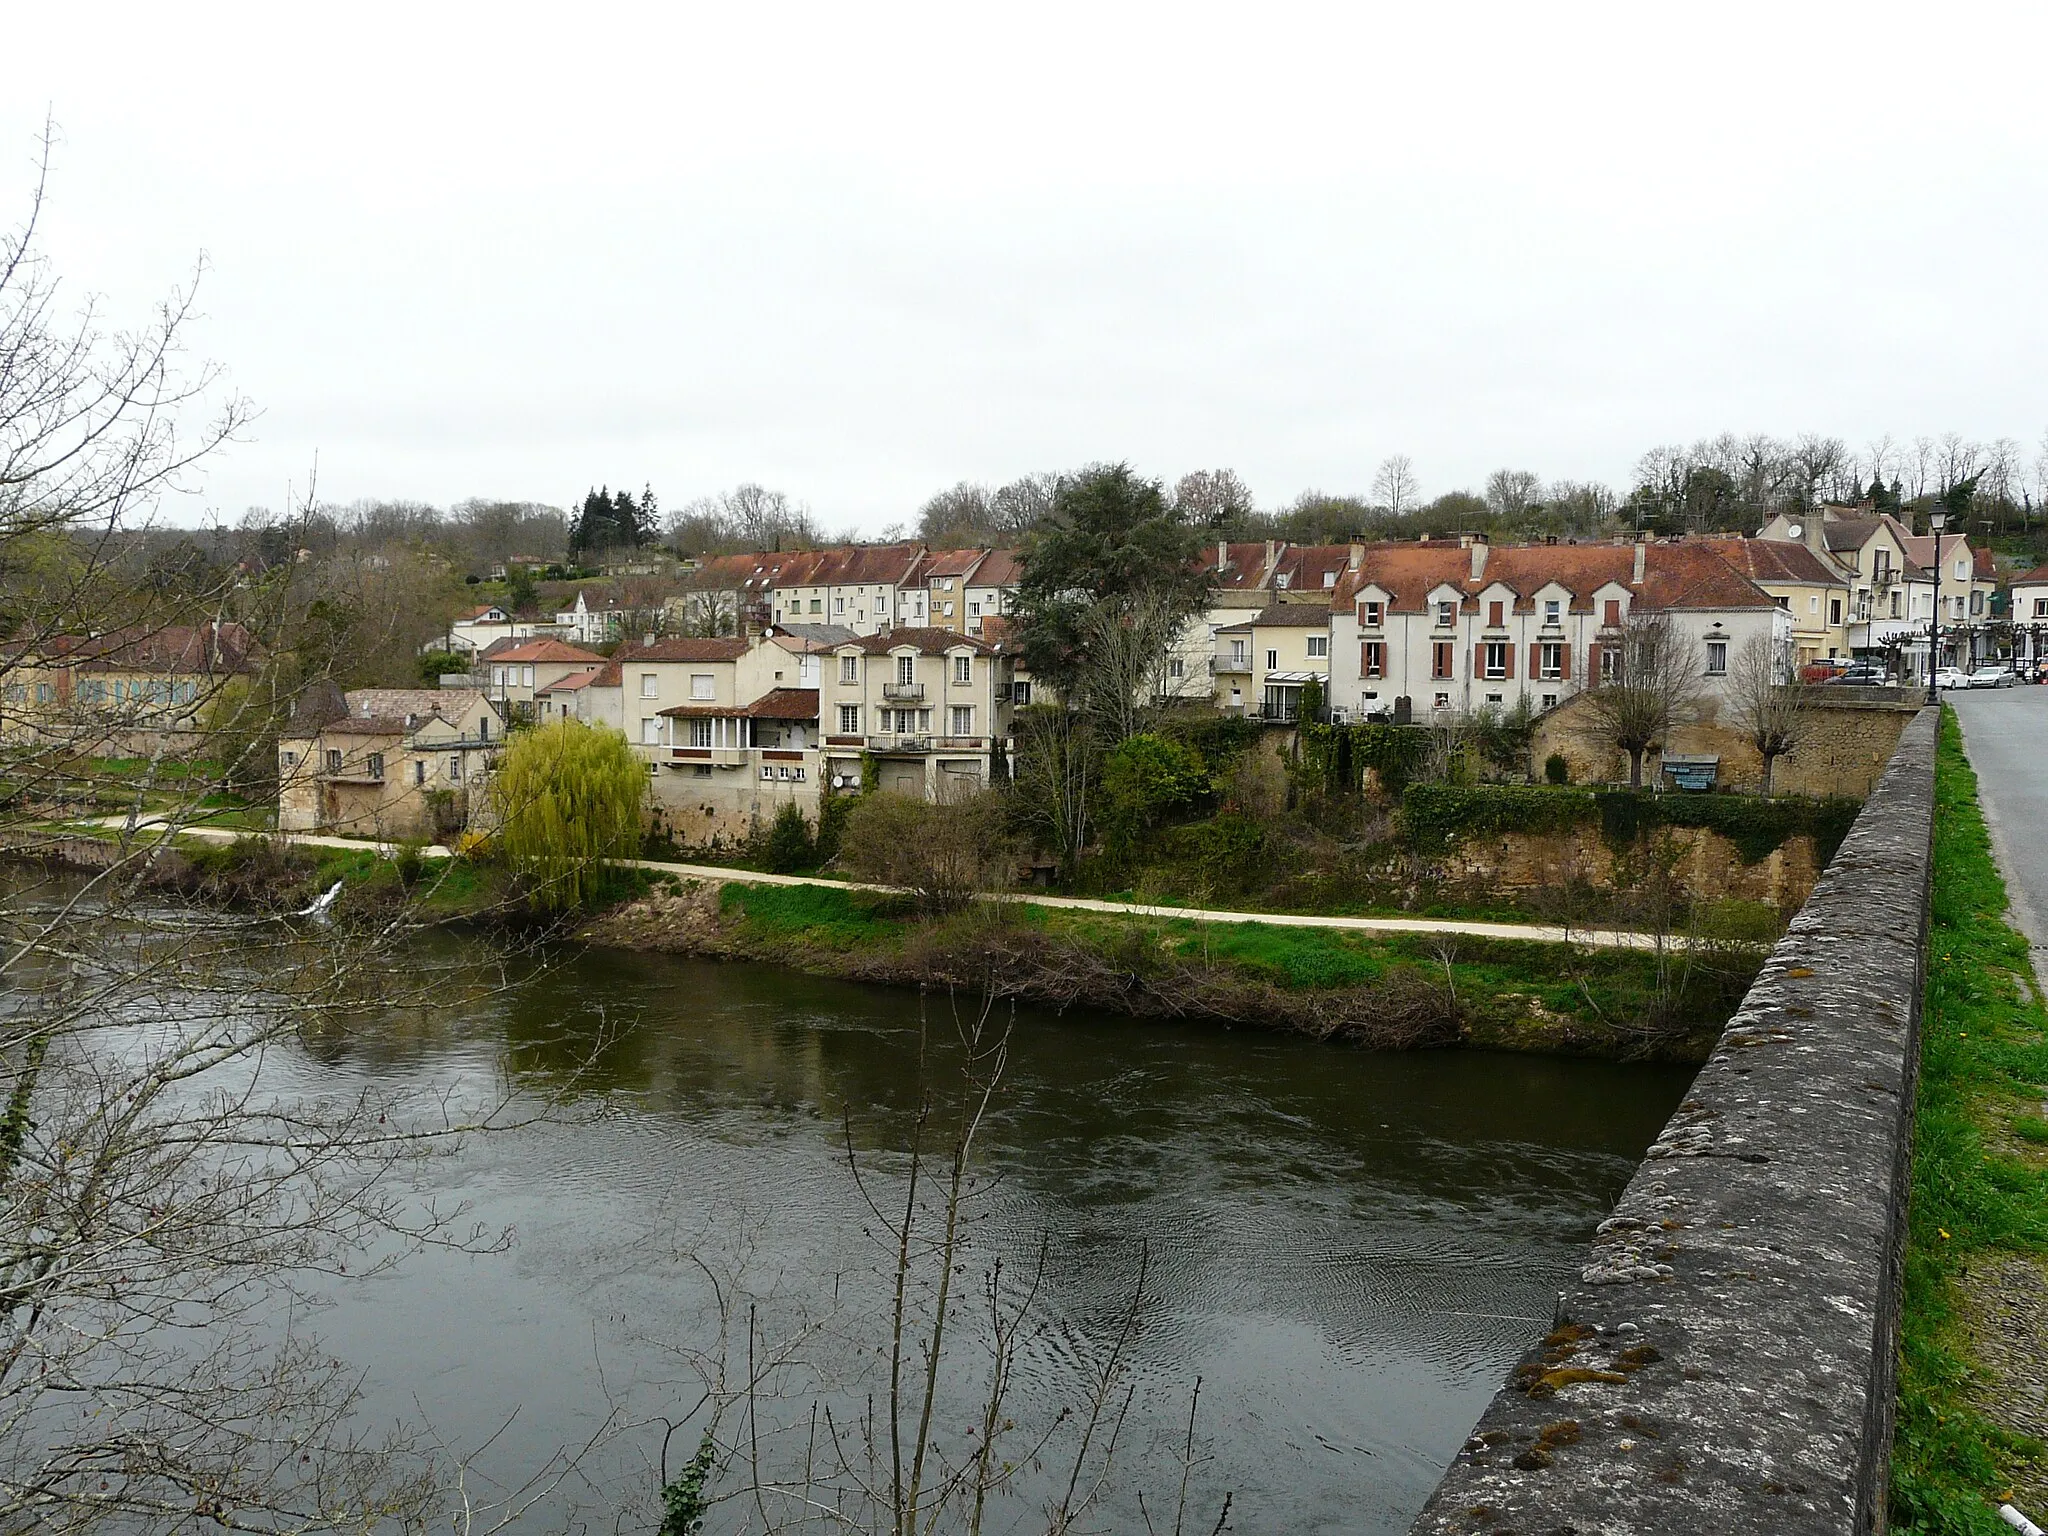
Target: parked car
<point x="1862" y="674"/>
<point x="1951" y="677"/>
<point x="1994" y="674"/>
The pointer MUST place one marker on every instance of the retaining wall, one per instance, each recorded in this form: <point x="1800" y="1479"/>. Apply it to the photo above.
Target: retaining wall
<point x="1725" y="1361"/>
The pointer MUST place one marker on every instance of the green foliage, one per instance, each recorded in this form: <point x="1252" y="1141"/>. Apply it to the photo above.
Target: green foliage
<point x="1218" y="737"/>
<point x="789" y="847"/>
<point x="1983" y="1061"/>
<point x="434" y="663"/>
<point x="522" y="592"/>
<point x="1147" y="779"/>
<point x="1313" y="700"/>
<point x="833" y="809"/>
<point x="1556" y="770"/>
<point x="1227" y="852"/>
<point x="1111" y="534"/>
<point x="1340" y="754"/>
<point x="822" y="915"/>
<point x="1437" y="815"/>
<point x="684" y="1501"/>
<point x="942" y="853"/>
<point x="568" y="797"/>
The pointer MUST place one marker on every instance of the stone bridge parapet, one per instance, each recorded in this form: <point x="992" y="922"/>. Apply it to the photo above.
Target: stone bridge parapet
<point x="1725" y="1361"/>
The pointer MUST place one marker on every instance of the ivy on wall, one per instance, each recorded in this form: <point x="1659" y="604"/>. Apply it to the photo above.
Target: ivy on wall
<point x="1436" y="816"/>
<point x="1336" y="756"/>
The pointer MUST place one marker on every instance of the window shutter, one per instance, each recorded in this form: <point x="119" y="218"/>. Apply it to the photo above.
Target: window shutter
<point x="1493" y="615"/>
<point x="1564" y="657"/>
<point x="1477" y="661"/>
<point x="1535" y="653"/>
<point x="1509" y="669"/>
<point x="1593" y="665"/>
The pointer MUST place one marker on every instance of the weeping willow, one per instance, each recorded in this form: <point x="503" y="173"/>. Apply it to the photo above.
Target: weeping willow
<point x="568" y="799"/>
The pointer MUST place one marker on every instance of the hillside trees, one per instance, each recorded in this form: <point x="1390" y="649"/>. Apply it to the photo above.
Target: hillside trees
<point x="609" y="520"/>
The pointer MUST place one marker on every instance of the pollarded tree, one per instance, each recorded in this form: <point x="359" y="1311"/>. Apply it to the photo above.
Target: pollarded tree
<point x="1767" y="709"/>
<point x="568" y="799"/>
<point x="1654" y="687"/>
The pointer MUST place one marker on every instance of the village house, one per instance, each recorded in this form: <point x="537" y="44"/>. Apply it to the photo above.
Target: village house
<point x="2028" y="607"/>
<point x="583" y="625"/>
<point x="490" y="622"/>
<point x="1421" y="628"/>
<point x="134" y="691"/>
<point x="514" y="673"/>
<point x="1809" y="586"/>
<point x="930" y="707"/>
<point x="386" y="763"/>
<point x="1263" y="664"/>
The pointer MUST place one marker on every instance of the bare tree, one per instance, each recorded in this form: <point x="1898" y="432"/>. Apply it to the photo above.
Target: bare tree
<point x="1132" y="645"/>
<point x="1772" y="712"/>
<point x="961" y="515"/>
<point x="1512" y="492"/>
<point x="1655" y="685"/>
<point x="1394" y="486"/>
<point x="1054" y="778"/>
<point x="1212" y="497"/>
<point x="1017" y="508"/>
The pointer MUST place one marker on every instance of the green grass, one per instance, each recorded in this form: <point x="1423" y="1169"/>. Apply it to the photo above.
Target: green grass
<point x="811" y="914"/>
<point x="1983" y="1067"/>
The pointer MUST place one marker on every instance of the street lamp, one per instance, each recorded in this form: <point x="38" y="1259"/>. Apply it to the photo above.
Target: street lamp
<point x="1936" y="521"/>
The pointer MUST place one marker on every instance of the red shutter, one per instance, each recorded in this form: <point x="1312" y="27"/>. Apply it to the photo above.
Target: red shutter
<point x="1477" y="665"/>
<point x="1509" y="669"/>
<point x="1535" y="653"/>
<point x="1564" y="656"/>
<point x="1593" y="665"/>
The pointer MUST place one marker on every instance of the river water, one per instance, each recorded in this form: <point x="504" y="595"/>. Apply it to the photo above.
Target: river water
<point x="1348" y="1249"/>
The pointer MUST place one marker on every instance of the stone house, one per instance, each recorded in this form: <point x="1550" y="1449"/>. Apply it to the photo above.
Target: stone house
<point x="386" y="763"/>
<point x="512" y="675"/>
<point x="132" y="691"/>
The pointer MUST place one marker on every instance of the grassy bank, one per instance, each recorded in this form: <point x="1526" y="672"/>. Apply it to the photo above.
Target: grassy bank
<point x="1382" y="990"/>
<point x="1978" y="1234"/>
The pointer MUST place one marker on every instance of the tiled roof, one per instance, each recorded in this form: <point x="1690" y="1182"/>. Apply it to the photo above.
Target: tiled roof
<point x="174" y="648"/>
<point x="1002" y="568"/>
<point x="682" y="648"/>
<point x="950" y="562"/>
<point x="1312" y="567"/>
<point x="1243" y="565"/>
<point x="1776" y="560"/>
<point x="548" y="650"/>
<point x="775" y="704"/>
<point x="570" y="683"/>
<point x="2037" y="577"/>
<point x="392" y="711"/>
<point x="928" y="642"/>
<point x="1674" y="576"/>
<point x="1292" y="616"/>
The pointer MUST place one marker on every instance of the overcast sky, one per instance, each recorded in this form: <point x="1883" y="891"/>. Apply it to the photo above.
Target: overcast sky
<point x="861" y="252"/>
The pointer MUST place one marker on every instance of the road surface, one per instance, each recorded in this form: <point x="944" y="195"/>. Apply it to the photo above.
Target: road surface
<point x="2006" y="733"/>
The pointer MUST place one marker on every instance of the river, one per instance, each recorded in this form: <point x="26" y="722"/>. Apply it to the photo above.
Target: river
<point x="1348" y="1249"/>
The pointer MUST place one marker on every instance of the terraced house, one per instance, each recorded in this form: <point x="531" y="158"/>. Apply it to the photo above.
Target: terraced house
<point x="134" y="691"/>
<point x="930" y="708"/>
<point x="386" y="762"/>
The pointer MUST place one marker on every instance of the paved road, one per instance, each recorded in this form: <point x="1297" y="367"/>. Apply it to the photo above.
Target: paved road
<point x="1540" y="933"/>
<point x="2006" y="732"/>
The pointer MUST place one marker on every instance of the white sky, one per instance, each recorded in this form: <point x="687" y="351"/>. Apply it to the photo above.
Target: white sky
<point x="860" y="252"/>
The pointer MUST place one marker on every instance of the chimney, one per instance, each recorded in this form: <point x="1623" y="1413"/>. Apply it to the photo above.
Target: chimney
<point x="1222" y="555"/>
<point x="1356" y="558"/>
<point x="1479" y="548"/>
<point x="1816" y="531"/>
<point x="1642" y="553"/>
<point x="1272" y="554"/>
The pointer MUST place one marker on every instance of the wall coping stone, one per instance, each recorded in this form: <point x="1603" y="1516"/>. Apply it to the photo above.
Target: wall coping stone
<point x="1726" y="1360"/>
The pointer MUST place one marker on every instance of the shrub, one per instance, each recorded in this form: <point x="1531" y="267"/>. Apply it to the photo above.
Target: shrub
<point x="832" y="813"/>
<point x="1146" y="779"/>
<point x="942" y="854"/>
<point x="789" y="845"/>
<point x="1556" y="770"/>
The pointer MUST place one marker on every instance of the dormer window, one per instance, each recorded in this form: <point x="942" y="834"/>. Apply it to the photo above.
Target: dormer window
<point x="1446" y="614"/>
<point x="1375" y="614"/>
<point x="1553" y="610"/>
<point x="1282" y="580"/>
<point x="1329" y="578"/>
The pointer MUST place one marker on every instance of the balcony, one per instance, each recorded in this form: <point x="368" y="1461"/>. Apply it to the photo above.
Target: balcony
<point x="899" y="743"/>
<point x="1232" y="662"/>
<point x="904" y="693"/>
<point x="718" y="757"/>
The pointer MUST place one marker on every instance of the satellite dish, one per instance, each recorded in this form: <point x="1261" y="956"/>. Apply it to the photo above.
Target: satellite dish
<point x="1796" y="531"/>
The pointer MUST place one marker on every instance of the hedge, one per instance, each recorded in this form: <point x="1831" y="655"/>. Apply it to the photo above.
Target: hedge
<point x="1438" y="815"/>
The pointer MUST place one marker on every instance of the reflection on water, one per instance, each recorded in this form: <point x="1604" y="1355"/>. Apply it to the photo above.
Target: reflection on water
<point x="1349" y="1249"/>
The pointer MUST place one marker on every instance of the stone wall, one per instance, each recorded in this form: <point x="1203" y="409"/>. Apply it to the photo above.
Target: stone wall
<point x="1847" y="745"/>
<point x="1725" y="1360"/>
<point x="1708" y="866"/>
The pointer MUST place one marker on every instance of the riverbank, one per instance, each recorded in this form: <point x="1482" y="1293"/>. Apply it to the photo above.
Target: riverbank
<point x="1973" y="1380"/>
<point x="1384" y="990"/>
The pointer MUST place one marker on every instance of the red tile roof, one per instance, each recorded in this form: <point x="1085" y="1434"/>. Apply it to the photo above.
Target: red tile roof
<point x="929" y="642"/>
<point x="1776" y="560"/>
<point x="173" y="648"/>
<point x="2037" y="577"/>
<point x="548" y="650"/>
<point x="776" y="704"/>
<point x="681" y="648"/>
<point x="950" y="562"/>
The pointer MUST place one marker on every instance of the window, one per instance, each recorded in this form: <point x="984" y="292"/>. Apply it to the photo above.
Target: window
<point x="1495" y="615"/>
<point x="700" y="733"/>
<point x="1441" y="659"/>
<point x="1553" y="610"/>
<point x="1446" y="615"/>
<point x="974" y="609"/>
<point x="1895" y="604"/>
<point x="849" y="669"/>
<point x="1329" y="578"/>
<point x="1550" y="659"/>
<point x="703" y="685"/>
<point x="647" y="685"/>
<point x="497" y="677"/>
<point x="881" y="604"/>
<point x="946" y="585"/>
<point x="1375" y="658"/>
<point x="963" y="719"/>
<point x="526" y="678"/>
<point x="963" y="669"/>
<point x="1610" y="663"/>
<point x="419" y="770"/>
<point x="650" y="732"/>
<point x="1550" y="701"/>
<point x="839" y="605"/>
<point x="1174" y="668"/>
<point x="1272" y="661"/>
<point x="1319" y="645"/>
<point x="2041" y="607"/>
<point x="949" y="610"/>
<point x="483" y="729"/>
<point x="1717" y="658"/>
<point x="1493" y="698"/>
<point x="1282" y="580"/>
<point x="1020" y="692"/>
<point x="455" y="768"/>
<point x="697" y="770"/>
<point x="1834" y="610"/>
<point x="906" y="670"/>
<point x="373" y="765"/>
<point x="1375" y="615"/>
<point x="817" y="605"/>
<point x="1237" y="652"/>
<point x="849" y="719"/>
<point x="1443" y="701"/>
<point x="1976" y="602"/>
<point x="1813" y="603"/>
<point x="333" y="760"/>
<point x="1784" y="603"/>
<point x="1496" y="658"/>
